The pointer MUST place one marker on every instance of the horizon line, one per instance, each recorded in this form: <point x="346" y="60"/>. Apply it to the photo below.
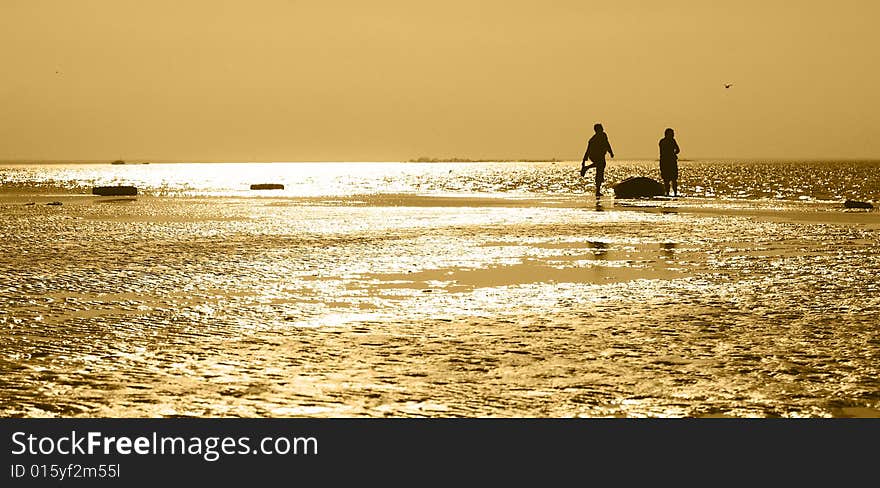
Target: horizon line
<point x="139" y="161"/>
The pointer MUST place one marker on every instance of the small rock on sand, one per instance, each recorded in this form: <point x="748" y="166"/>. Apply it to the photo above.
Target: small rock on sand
<point x="638" y="187"/>
<point x="857" y="204"/>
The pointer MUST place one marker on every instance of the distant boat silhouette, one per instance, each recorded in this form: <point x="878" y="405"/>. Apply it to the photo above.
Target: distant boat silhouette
<point x="118" y="161"/>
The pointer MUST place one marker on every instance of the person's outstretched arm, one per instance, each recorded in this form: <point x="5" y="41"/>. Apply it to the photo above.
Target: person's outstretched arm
<point x="610" y="151"/>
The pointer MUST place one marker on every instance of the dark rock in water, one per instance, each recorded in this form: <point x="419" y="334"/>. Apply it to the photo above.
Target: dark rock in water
<point x="114" y="190"/>
<point x="267" y="186"/>
<point x="54" y="203"/>
<point x="638" y="187"/>
<point x="857" y="204"/>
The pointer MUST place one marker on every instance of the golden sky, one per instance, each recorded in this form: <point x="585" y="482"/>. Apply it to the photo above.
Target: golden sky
<point x="388" y="80"/>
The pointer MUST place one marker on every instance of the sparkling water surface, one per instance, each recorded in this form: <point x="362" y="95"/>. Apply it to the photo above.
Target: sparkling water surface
<point x="438" y="289"/>
<point x="777" y="180"/>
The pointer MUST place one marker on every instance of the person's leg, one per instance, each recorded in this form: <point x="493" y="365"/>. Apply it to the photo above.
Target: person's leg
<point x="600" y="177"/>
<point x="675" y="179"/>
<point x="664" y="175"/>
<point x="585" y="167"/>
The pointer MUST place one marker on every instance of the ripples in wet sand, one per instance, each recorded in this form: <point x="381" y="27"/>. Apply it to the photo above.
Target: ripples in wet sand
<point x="353" y="307"/>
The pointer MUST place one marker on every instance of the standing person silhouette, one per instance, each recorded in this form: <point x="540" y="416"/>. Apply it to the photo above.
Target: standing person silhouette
<point x="597" y="146"/>
<point x="669" y="161"/>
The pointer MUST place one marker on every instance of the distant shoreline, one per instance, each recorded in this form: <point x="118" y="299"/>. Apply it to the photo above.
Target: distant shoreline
<point x="444" y="160"/>
<point x="159" y="161"/>
<point x="468" y="160"/>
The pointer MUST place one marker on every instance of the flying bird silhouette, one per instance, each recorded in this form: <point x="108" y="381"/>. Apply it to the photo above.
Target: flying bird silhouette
<point x="728" y="85"/>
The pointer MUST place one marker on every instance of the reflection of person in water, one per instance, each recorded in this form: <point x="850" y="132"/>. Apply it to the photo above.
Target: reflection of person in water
<point x="596" y="149"/>
<point x="669" y="161"/>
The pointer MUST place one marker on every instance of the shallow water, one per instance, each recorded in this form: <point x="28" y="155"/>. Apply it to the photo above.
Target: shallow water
<point x="444" y="302"/>
<point x="773" y="180"/>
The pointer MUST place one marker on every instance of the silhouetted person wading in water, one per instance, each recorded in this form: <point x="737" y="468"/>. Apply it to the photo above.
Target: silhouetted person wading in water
<point x="669" y="161"/>
<point x="596" y="149"/>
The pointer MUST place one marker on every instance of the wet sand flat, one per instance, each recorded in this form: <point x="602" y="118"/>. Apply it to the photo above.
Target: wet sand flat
<point x="409" y="305"/>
